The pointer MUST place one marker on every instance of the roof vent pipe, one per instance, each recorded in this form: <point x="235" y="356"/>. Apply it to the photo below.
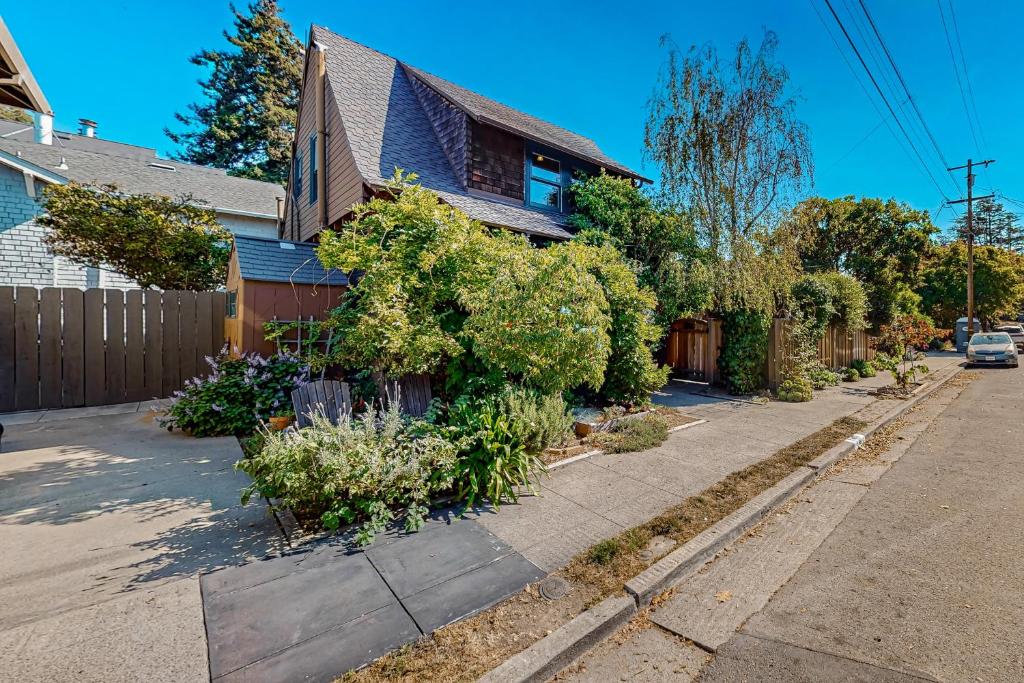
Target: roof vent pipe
<point x="87" y="127"/>
<point x="42" y="125"/>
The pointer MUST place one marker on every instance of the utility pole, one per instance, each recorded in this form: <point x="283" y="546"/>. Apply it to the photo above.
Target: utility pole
<point x="970" y="233"/>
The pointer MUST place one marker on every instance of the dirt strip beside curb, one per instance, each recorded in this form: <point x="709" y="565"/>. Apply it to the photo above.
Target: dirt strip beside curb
<point x="554" y="652"/>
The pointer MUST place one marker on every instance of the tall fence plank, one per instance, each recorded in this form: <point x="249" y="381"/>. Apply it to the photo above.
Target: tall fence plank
<point x="50" y="342"/>
<point x="7" y="349"/>
<point x="73" y="348"/>
<point x="64" y="348"/>
<point x="95" y="348"/>
<point x="170" y="377"/>
<point x="26" y="348"/>
<point x="154" y="342"/>
<point x="135" y="347"/>
<point x="115" y="356"/>
<point x="187" y="343"/>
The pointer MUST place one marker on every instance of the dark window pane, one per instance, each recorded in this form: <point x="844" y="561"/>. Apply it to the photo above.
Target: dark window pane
<point x="546" y="169"/>
<point x="545" y="194"/>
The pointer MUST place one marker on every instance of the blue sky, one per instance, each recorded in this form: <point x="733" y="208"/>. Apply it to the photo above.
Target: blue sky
<point x="587" y="66"/>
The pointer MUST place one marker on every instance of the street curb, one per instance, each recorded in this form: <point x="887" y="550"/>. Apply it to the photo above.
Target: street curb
<point x="554" y="652"/>
<point x="836" y="453"/>
<point x="551" y="654"/>
<point x="660" y="576"/>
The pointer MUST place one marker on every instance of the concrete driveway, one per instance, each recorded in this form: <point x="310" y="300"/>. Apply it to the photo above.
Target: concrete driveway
<point x="105" y="523"/>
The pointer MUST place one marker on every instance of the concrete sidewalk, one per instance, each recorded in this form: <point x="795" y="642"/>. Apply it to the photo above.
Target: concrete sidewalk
<point x="105" y="523"/>
<point x="590" y="500"/>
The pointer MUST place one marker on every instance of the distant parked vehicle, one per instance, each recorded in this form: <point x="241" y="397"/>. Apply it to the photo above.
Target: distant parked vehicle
<point x="992" y="348"/>
<point x="1016" y="332"/>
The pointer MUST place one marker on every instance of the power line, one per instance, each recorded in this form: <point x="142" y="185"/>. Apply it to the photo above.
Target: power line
<point x="967" y="74"/>
<point x="959" y="81"/>
<point x="885" y="100"/>
<point x="903" y="83"/>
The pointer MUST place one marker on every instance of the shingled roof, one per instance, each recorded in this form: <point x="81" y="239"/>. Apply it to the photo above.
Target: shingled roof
<point x="270" y="260"/>
<point x="387" y="128"/>
<point x="211" y="187"/>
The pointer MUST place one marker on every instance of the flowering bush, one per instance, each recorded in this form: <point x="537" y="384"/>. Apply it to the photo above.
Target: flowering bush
<point x="363" y="468"/>
<point x="236" y="395"/>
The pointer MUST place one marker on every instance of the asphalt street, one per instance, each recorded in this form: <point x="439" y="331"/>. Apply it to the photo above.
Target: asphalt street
<point x="902" y="565"/>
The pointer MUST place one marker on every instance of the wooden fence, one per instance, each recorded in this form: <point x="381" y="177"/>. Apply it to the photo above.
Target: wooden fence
<point x="837" y="349"/>
<point x="65" y="348"/>
<point x="692" y="348"/>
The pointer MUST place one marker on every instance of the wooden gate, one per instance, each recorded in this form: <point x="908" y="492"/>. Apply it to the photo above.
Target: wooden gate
<point x="65" y="348"/>
<point x="693" y="347"/>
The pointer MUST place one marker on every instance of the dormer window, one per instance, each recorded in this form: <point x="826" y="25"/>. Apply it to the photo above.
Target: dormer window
<point x="545" y="189"/>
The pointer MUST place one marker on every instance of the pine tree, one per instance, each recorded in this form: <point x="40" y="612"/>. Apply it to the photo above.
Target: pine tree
<point x="994" y="226"/>
<point x="247" y="120"/>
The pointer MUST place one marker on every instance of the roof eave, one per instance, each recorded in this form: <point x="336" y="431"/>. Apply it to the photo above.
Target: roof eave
<point x="27" y="86"/>
<point x="32" y="169"/>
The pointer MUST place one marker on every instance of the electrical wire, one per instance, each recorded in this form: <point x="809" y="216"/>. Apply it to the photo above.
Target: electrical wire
<point x="885" y="100"/>
<point x="959" y="81"/>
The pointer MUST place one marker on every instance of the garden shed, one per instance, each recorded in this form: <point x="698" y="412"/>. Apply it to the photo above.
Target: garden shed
<point x="275" y="280"/>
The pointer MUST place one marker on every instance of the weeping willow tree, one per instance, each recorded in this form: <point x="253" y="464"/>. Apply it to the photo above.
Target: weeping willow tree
<point x="732" y="152"/>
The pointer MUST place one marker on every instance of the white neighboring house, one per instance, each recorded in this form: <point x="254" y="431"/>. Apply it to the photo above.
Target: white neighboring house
<point x="34" y="155"/>
<point x="243" y="206"/>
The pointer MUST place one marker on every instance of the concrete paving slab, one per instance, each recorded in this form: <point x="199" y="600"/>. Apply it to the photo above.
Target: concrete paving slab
<point x="470" y="592"/>
<point x="324" y="657"/>
<point x="708" y="607"/>
<point x="427" y="558"/>
<point x="746" y="658"/>
<point x="152" y="634"/>
<point x="247" y="625"/>
<point x="647" y="656"/>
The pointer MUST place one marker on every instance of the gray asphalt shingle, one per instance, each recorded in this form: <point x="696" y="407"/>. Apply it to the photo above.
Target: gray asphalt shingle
<point x="270" y="260"/>
<point x="211" y="187"/>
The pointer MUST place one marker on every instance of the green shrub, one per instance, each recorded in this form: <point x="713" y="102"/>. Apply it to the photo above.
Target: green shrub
<point x="795" y="390"/>
<point x="850" y="375"/>
<point x="237" y="395"/>
<point x="633" y="435"/>
<point x="745" y="347"/>
<point x="863" y="368"/>
<point x="821" y="377"/>
<point x="361" y="469"/>
<point x="493" y="458"/>
<point x="540" y="421"/>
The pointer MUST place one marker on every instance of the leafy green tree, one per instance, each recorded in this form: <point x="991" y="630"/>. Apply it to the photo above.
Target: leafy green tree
<point x="439" y="293"/>
<point x="881" y="243"/>
<point x="659" y="241"/>
<point x="247" y="120"/>
<point x="14" y="114"/>
<point x="994" y="226"/>
<point x="998" y="284"/>
<point x="156" y="241"/>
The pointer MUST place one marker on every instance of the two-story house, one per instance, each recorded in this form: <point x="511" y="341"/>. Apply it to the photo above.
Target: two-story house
<point x="363" y="114"/>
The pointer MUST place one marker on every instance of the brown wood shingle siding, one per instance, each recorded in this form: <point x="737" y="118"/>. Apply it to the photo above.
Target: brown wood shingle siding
<point x="496" y="162"/>
<point x="344" y="184"/>
<point x="448" y="122"/>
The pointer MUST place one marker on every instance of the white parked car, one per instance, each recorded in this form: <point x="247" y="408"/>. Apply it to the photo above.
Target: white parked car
<point x="992" y="348"/>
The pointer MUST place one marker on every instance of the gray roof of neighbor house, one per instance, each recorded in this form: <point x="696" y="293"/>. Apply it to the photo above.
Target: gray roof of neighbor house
<point x="387" y="129"/>
<point x="270" y="260"/>
<point x="24" y="132"/>
<point x="210" y="187"/>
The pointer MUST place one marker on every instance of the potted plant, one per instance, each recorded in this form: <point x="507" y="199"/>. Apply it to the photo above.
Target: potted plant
<point x="280" y="421"/>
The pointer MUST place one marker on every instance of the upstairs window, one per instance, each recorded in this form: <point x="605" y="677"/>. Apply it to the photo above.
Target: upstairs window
<point x="545" y="182"/>
<point x="312" y="169"/>
<point x="297" y="176"/>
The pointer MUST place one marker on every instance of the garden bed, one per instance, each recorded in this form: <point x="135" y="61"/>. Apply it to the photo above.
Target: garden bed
<point x="582" y="447"/>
